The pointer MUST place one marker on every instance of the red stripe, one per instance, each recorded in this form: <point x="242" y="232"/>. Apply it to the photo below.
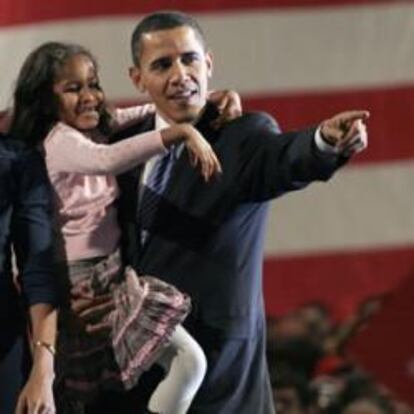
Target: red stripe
<point x="390" y="330"/>
<point x="29" y="11"/>
<point x="340" y="280"/>
<point x="390" y="128"/>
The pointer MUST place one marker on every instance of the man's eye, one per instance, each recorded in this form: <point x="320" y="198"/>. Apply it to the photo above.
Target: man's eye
<point x="161" y="65"/>
<point x="189" y="58"/>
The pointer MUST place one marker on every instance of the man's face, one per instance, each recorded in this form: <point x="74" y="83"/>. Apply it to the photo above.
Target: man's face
<point x="174" y="69"/>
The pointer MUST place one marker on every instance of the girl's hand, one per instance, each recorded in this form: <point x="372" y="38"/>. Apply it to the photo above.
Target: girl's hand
<point x="200" y="152"/>
<point x="228" y="104"/>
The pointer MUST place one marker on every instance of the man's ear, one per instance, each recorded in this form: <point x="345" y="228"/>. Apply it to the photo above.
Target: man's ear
<point x="135" y="75"/>
<point x="209" y="62"/>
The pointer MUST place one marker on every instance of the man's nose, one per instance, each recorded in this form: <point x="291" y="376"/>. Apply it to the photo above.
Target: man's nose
<point x="179" y="73"/>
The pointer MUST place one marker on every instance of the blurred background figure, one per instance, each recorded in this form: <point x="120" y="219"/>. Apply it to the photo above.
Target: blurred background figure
<point x="291" y="391"/>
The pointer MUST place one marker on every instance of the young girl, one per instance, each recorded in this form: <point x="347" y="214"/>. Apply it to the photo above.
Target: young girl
<point x="59" y="106"/>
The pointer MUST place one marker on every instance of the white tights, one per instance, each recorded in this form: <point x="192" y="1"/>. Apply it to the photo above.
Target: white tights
<point x="185" y="364"/>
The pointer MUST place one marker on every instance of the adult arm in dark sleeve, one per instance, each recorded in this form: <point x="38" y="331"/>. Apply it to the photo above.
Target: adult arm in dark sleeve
<point x="272" y="163"/>
<point x="32" y="234"/>
<point x="32" y="240"/>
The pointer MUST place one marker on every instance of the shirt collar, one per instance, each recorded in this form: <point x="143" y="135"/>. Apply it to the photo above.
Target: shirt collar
<point x="160" y="122"/>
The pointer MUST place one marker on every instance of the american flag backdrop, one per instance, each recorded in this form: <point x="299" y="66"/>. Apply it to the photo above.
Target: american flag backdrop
<point x="301" y="61"/>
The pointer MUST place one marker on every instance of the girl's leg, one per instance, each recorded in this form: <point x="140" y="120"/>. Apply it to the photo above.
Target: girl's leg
<point x="186" y="366"/>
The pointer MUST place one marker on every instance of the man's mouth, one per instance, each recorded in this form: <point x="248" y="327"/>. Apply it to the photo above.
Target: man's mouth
<point x="184" y="96"/>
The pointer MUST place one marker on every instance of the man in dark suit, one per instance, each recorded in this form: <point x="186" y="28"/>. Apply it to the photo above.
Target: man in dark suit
<point x="207" y="238"/>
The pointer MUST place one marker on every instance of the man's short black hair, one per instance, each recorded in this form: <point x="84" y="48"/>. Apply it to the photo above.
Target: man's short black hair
<point x="163" y="20"/>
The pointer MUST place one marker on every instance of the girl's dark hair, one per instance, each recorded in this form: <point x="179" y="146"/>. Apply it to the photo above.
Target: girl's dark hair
<point x="35" y="107"/>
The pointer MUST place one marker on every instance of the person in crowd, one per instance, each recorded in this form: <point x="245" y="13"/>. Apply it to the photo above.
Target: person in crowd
<point x="361" y="395"/>
<point x="26" y="369"/>
<point x="291" y="392"/>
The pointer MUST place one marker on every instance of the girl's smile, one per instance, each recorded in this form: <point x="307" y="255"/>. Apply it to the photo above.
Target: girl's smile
<point x="80" y="97"/>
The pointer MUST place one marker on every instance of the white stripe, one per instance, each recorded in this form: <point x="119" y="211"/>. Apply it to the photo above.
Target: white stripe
<point x="362" y="207"/>
<point x="255" y="52"/>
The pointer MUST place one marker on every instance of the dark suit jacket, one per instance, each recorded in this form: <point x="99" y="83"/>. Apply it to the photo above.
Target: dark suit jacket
<point x="207" y="239"/>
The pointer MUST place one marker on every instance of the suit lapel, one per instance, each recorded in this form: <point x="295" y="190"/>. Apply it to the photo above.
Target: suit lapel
<point x="183" y="179"/>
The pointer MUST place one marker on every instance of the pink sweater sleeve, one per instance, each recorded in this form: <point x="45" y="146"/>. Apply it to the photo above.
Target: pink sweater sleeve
<point x="123" y="117"/>
<point x="68" y="150"/>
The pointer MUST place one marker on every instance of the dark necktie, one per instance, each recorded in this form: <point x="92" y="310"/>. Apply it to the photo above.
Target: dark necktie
<point x="152" y="192"/>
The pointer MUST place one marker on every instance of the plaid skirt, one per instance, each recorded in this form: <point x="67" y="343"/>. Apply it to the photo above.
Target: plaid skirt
<point x="138" y="327"/>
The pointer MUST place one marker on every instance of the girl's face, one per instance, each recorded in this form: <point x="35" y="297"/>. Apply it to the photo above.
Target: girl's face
<point x="80" y="97"/>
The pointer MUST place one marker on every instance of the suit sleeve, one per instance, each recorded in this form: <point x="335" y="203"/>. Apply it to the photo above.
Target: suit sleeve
<point x="272" y="163"/>
<point x="32" y="234"/>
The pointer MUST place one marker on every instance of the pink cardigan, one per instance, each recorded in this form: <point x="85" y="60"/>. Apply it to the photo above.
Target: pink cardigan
<point x="82" y="172"/>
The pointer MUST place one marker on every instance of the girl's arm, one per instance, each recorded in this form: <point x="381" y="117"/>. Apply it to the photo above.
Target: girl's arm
<point x="124" y="117"/>
<point x="69" y="150"/>
<point x="228" y="104"/>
